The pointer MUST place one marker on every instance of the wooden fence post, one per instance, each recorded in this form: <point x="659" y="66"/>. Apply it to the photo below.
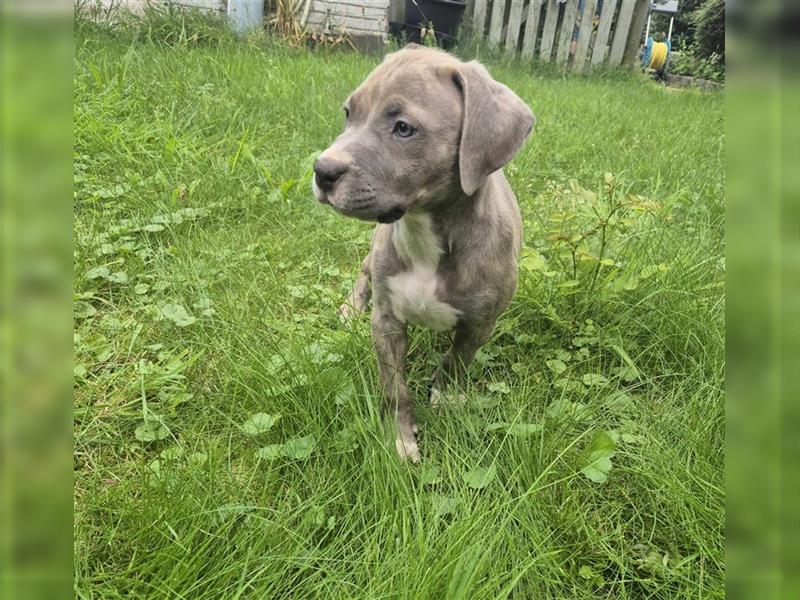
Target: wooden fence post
<point x="567" y="29"/>
<point x="638" y="23"/>
<point x="621" y="32"/>
<point x="469" y="11"/>
<point x="496" y="23"/>
<point x="479" y="17"/>
<point x="603" y="30"/>
<point x="584" y="36"/>
<point x="549" y="33"/>
<point x="514" y="21"/>
<point x="531" y="28"/>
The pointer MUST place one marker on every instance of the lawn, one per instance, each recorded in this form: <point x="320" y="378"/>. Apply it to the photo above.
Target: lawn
<point x="228" y="442"/>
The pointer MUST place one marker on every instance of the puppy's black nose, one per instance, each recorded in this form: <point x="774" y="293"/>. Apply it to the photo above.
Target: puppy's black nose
<point x="327" y="172"/>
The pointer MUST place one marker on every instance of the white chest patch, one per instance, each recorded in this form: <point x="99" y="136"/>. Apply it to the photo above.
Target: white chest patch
<point x="413" y="291"/>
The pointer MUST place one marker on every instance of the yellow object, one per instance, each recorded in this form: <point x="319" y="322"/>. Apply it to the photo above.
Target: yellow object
<point x="658" y="56"/>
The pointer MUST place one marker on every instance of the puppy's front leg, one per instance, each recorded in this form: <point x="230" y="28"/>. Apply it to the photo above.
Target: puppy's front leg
<point x="391" y="345"/>
<point x="453" y="372"/>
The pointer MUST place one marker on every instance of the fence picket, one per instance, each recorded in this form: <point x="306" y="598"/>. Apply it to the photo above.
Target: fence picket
<point x="585" y="35"/>
<point x="621" y="32"/>
<point x="514" y="21"/>
<point x="567" y="29"/>
<point x="549" y="33"/>
<point x="603" y="30"/>
<point x="479" y="17"/>
<point x="496" y="24"/>
<point x="531" y="28"/>
<point x="502" y="22"/>
<point x="636" y="31"/>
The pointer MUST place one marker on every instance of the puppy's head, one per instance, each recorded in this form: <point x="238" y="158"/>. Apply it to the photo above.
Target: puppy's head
<point x="423" y="129"/>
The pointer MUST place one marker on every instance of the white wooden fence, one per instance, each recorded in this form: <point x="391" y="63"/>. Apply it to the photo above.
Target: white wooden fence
<point x="578" y="33"/>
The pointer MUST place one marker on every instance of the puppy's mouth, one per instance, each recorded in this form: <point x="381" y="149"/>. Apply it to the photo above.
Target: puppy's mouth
<point x="321" y="196"/>
<point x="369" y="214"/>
<point x="359" y="208"/>
<point x="392" y="215"/>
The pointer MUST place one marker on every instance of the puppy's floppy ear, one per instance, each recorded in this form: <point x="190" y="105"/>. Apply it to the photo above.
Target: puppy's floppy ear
<point x="496" y="123"/>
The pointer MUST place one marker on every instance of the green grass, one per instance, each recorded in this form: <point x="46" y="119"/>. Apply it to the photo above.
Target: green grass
<point x="192" y="165"/>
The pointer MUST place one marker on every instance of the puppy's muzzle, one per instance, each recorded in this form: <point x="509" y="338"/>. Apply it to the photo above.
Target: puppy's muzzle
<point x="327" y="172"/>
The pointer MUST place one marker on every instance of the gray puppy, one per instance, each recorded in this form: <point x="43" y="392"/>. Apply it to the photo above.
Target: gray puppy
<point x="425" y="138"/>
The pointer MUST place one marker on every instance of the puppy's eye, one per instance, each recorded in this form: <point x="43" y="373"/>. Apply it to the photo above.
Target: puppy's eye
<point x="403" y="129"/>
<point x="346" y="113"/>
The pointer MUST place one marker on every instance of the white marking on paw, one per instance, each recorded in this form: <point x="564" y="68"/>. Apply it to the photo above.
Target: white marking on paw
<point x="436" y="397"/>
<point x="439" y="397"/>
<point x="407" y="448"/>
<point x="347" y="312"/>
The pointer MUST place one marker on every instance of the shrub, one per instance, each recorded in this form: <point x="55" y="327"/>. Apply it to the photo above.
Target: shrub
<point x="709" y="21"/>
<point x="586" y="254"/>
<point x="692" y="64"/>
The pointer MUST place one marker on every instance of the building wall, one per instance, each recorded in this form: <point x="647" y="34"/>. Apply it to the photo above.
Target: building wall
<point x="138" y="5"/>
<point x="365" y="20"/>
<point x="359" y="18"/>
<point x="218" y="5"/>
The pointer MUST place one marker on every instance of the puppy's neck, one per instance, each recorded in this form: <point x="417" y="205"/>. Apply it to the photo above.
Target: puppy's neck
<point x="424" y="235"/>
<point x="456" y="204"/>
<point x="416" y="241"/>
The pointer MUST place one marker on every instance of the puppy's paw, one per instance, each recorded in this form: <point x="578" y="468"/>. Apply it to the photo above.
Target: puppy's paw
<point x="407" y="448"/>
<point x="348" y="312"/>
<point x="438" y="397"/>
<point x="435" y="397"/>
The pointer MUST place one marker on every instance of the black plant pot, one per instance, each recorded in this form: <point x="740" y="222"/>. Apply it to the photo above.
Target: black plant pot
<point x="444" y="14"/>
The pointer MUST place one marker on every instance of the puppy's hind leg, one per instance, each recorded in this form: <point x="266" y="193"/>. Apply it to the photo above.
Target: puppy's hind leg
<point x="358" y="300"/>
